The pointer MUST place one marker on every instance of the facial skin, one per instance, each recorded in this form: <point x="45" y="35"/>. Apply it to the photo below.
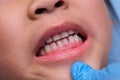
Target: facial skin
<point x="20" y="30"/>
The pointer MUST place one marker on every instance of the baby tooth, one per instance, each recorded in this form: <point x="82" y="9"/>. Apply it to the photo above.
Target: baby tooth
<point x="53" y="46"/>
<point x="77" y="38"/>
<point x="56" y="37"/>
<point x="71" y="32"/>
<point x="59" y="43"/>
<point x="65" y="41"/>
<point x="42" y="51"/>
<point x="47" y="48"/>
<point x="71" y="39"/>
<point x="49" y="40"/>
<point x="64" y="34"/>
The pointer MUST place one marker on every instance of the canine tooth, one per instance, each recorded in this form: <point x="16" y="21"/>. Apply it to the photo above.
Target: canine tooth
<point x="53" y="46"/>
<point x="71" y="39"/>
<point x="77" y="38"/>
<point x="71" y="32"/>
<point x="65" y="41"/>
<point x="59" y="43"/>
<point x="47" y="48"/>
<point x="56" y="37"/>
<point x="49" y="40"/>
<point x="64" y="34"/>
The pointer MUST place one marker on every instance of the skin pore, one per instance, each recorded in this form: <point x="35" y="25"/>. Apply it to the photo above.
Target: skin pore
<point x="21" y="29"/>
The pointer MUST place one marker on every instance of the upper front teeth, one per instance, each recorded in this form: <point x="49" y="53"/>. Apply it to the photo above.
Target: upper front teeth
<point x="60" y="36"/>
<point x="56" y="37"/>
<point x="49" y="40"/>
<point x="60" y="40"/>
<point x="71" y="32"/>
<point x="64" y="34"/>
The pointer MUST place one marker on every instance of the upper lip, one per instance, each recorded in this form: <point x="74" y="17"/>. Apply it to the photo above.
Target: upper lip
<point x="60" y="28"/>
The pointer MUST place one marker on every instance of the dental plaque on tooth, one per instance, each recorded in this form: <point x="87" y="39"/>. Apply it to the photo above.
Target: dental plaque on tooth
<point x="62" y="39"/>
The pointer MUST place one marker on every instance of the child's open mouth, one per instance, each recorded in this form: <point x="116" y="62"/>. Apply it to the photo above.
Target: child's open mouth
<point x="62" y="42"/>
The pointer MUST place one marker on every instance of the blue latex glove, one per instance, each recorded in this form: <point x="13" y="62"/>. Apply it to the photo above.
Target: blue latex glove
<point x="115" y="14"/>
<point x="81" y="71"/>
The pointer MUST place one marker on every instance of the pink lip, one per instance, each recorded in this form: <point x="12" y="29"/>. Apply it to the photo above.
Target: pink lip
<point x="76" y="49"/>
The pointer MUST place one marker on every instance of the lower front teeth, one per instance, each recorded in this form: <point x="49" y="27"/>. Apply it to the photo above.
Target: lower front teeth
<point x="47" y="48"/>
<point x="53" y="45"/>
<point x="60" y="43"/>
<point x="65" y="41"/>
<point x="71" y="39"/>
<point x="77" y="38"/>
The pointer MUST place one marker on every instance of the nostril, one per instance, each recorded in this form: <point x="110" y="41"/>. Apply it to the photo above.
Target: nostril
<point x="40" y="10"/>
<point x="59" y="4"/>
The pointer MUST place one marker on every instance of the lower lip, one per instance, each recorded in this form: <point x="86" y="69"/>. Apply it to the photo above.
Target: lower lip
<point x="75" y="51"/>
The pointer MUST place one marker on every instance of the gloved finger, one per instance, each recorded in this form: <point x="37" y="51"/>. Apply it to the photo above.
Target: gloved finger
<point x="116" y="6"/>
<point x="111" y="72"/>
<point x="82" y="71"/>
<point x="114" y="9"/>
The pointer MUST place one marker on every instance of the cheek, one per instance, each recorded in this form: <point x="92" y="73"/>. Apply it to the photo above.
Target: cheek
<point x="12" y="61"/>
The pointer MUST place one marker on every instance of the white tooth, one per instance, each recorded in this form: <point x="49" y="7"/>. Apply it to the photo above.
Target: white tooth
<point x="53" y="46"/>
<point x="56" y="37"/>
<point x="65" y="41"/>
<point x="77" y="38"/>
<point x="42" y="51"/>
<point x="59" y="43"/>
<point x="49" y="40"/>
<point x="71" y="32"/>
<point x="64" y="34"/>
<point x="71" y="39"/>
<point x="47" y="48"/>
